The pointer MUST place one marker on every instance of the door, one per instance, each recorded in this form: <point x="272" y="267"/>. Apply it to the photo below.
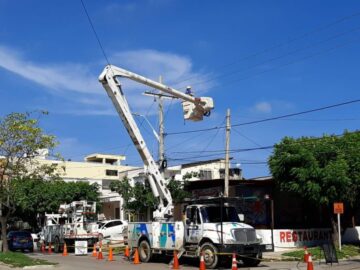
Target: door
<point x="193" y="226"/>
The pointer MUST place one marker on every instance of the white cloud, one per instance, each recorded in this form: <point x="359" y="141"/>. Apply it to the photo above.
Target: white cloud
<point x="55" y="77"/>
<point x="263" y="107"/>
<point x="78" y="83"/>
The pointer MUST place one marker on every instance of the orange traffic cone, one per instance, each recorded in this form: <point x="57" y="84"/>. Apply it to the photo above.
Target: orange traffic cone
<point x="65" y="253"/>
<point x="127" y="252"/>
<point x="49" y="249"/>
<point x="100" y="255"/>
<point x="136" y="257"/>
<point x="176" y="261"/>
<point x="94" y="253"/>
<point x="42" y="247"/>
<point x="202" y="262"/>
<point x="234" y="262"/>
<point x="110" y="256"/>
<point x="306" y="255"/>
<point x="310" y="265"/>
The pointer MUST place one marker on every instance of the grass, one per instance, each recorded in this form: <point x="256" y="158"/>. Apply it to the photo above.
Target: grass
<point x="316" y="252"/>
<point x="17" y="259"/>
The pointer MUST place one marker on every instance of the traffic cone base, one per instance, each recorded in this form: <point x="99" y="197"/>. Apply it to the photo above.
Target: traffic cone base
<point x="310" y="265"/>
<point x="176" y="261"/>
<point x="100" y="255"/>
<point x="234" y="262"/>
<point x="202" y="262"/>
<point x="110" y="258"/>
<point x="49" y="248"/>
<point x="136" y="257"/>
<point x="94" y="253"/>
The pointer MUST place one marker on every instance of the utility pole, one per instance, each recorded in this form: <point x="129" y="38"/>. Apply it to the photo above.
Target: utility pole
<point x="227" y="146"/>
<point x="161" y="132"/>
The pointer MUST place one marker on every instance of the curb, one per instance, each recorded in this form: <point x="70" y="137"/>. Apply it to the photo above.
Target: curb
<point x="39" y="266"/>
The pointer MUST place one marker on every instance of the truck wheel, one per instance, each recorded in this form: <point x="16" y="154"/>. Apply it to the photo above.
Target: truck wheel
<point x="211" y="258"/>
<point x="56" y="245"/>
<point x="144" y="251"/>
<point x="251" y="261"/>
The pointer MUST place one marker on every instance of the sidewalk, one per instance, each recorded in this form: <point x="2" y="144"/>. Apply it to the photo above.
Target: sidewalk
<point x="276" y="256"/>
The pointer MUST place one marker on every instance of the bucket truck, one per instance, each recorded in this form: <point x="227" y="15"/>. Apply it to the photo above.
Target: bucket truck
<point x="207" y="228"/>
<point x="74" y="222"/>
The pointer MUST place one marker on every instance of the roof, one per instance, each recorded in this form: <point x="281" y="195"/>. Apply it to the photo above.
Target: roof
<point x="202" y="162"/>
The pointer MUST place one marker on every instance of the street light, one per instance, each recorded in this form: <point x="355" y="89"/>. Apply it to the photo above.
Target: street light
<point x="148" y="122"/>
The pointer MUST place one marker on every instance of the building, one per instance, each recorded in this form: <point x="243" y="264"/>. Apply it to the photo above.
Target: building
<point x="202" y="170"/>
<point x="100" y="169"/>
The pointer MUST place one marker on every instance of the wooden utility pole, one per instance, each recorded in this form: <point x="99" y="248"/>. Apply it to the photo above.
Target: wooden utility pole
<point x="227" y="158"/>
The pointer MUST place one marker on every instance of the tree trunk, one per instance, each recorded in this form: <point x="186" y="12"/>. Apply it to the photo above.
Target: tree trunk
<point x="3" y="221"/>
<point x="335" y="233"/>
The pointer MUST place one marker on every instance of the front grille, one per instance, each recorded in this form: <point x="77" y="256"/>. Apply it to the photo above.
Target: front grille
<point x="244" y="235"/>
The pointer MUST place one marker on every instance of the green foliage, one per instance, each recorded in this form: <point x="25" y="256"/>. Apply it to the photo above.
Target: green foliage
<point x="20" y="140"/>
<point x="140" y="197"/>
<point x="136" y="198"/>
<point x="177" y="191"/>
<point x="35" y="196"/>
<point x="322" y="170"/>
<point x="317" y="253"/>
<point x="16" y="259"/>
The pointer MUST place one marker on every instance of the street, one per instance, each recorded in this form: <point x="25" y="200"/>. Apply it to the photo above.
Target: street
<point x="87" y="262"/>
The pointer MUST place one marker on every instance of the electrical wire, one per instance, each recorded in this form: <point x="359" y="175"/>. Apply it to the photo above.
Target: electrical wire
<point x="302" y="36"/>
<point x="95" y="33"/>
<point x="279" y="57"/>
<point x="268" y="119"/>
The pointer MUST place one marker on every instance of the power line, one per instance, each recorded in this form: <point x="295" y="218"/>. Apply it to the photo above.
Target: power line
<point x="292" y="62"/>
<point x="95" y="33"/>
<point x="221" y="151"/>
<point x="278" y="57"/>
<point x="302" y="36"/>
<point x="268" y="119"/>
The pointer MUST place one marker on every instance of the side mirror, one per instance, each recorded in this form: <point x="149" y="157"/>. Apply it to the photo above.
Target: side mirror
<point x="241" y="217"/>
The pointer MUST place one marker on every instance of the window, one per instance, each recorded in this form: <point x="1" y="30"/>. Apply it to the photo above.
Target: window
<point x="212" y="214"/>
<point x="111" y="172"/>
<point x="106" y="183"/>
<point x="205" y="174"/>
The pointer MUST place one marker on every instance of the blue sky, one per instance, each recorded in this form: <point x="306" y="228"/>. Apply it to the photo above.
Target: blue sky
<point x="259" y="58"/>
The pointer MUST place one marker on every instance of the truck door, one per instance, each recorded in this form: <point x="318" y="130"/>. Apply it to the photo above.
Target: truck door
<point x="193" y="226"/>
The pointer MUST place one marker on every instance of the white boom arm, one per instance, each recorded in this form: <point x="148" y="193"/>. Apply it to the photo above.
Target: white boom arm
<point x="194" y="109"/>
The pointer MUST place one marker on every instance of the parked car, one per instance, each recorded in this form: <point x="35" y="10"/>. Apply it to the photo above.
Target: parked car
<point x="112" y="229"/>
<point x="20" y="240"/>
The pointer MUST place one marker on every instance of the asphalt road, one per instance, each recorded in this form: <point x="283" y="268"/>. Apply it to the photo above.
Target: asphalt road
<point x="89" y="263"/>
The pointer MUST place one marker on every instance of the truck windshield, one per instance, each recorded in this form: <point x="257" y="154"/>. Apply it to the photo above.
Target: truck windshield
<point x="212" y="214"/>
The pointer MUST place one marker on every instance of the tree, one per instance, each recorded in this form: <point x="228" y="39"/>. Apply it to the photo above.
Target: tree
<point x="177" y="191"/>
<point x="20" y="140"/>
<point x="320" y="170"/>
<point x="140" y="197"/>
<point x="35" y="196"/>
<point x="137" y="198"/>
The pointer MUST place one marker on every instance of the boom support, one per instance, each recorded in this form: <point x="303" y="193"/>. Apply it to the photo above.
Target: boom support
<point x="194" y="109"/>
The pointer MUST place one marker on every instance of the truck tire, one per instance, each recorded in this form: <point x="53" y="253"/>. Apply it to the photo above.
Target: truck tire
<point x="211" y="257"/>
<point x="251" y="261"/>
<point x="56" y="245"/>
<point x="144" y="251"/>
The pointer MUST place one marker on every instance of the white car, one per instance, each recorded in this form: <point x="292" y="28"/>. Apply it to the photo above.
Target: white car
<point x="112" y="229"/>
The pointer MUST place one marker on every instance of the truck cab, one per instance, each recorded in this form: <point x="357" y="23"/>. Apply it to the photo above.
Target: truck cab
<point x="216" y="230"/>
